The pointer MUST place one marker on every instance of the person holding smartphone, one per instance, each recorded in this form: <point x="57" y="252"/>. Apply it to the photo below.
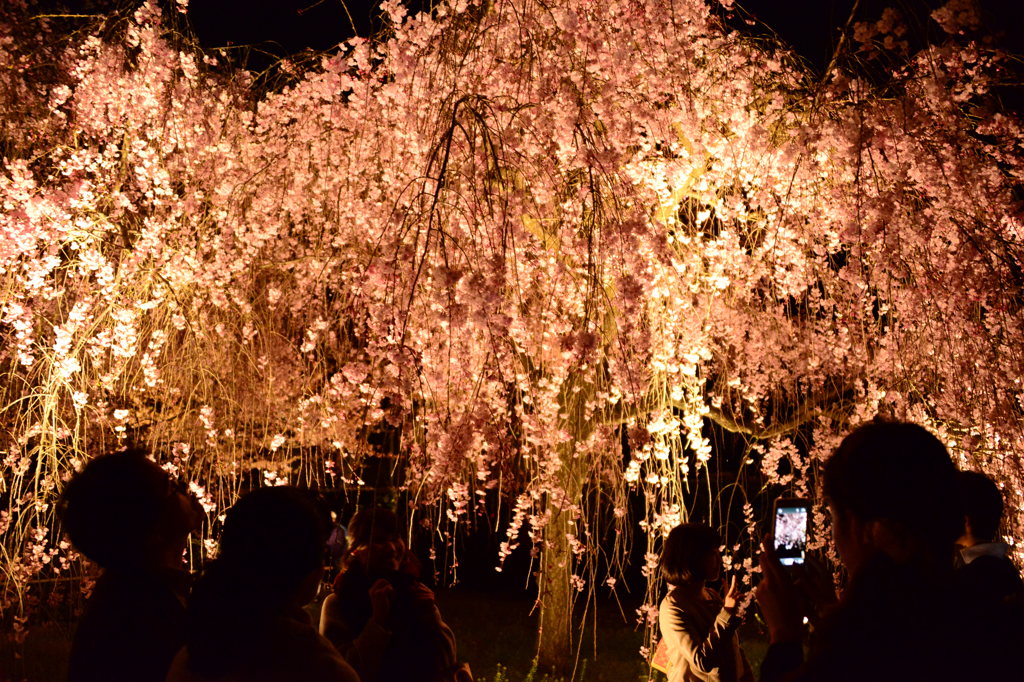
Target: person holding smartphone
<point x="891" y="488"/>
<point x="697" y="625"/>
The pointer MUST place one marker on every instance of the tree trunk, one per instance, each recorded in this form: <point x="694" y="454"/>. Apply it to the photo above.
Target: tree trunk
<point x="558" y="635"/>
<point x="555" y="635"/>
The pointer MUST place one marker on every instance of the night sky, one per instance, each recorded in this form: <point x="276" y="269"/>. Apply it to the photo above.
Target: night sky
<point x="812" y="27"/>
<point x="265" y="30"/>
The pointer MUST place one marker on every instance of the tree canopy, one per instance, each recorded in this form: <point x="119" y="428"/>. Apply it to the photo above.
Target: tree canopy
<point x="550" y="243"/>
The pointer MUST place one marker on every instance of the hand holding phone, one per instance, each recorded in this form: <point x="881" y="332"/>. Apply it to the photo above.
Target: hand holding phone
<point x="778" y="599"/>
<point x="790" y="530"/>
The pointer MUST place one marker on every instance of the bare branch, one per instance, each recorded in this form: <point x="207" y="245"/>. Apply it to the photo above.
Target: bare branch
<point x="832" y="403"/>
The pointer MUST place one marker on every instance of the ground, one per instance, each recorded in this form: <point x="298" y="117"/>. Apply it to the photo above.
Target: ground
<point x="496" y="635"/>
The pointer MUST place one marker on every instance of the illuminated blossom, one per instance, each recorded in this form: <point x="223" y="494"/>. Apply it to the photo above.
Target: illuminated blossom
<point x="546" y="247"/>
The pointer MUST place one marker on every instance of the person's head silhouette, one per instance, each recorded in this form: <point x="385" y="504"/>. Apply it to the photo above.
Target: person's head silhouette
<point x="982" y="506"/>
<point x="691" y="554"/>
<point x="124" y="512"/>
<point x="375" y="543"/>
<point x="892" y="489"/>
<point x="270" y="561"/>
<point x="273" y="541"/>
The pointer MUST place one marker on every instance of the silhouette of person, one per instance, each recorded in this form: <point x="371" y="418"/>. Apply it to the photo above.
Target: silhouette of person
<point x="699" y="626"/>
<point x="985" y="569"/>
<point x="337" y="545"/>
<point x="990" y="583"/>
<point x="380" y="616"/>
<point x="125" y="513"/>
<point x="892" y="492"/>
<point x="245" y="618"/>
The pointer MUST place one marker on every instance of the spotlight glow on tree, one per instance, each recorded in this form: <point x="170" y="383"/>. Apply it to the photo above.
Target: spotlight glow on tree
<point x="516" y="231"/>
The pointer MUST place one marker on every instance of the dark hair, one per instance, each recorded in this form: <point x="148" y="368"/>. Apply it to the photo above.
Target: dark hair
<point x="112" y="507"/>
<point x="376" y="523"/>
<point x="372" y="522"/>
<point x="982" y="504"/>
<point x="684" y="555"/>
<point x="272" y="539"/>
<point x="901" y="473"/>
<point x="273" y="535"/>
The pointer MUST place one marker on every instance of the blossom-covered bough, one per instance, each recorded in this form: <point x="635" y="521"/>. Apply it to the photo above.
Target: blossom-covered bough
<point x="551" y="243"/>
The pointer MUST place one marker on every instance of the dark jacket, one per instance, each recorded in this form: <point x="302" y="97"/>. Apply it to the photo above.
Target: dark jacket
<point x="416" y="643"/>
<point x="894" y="623"/>
<point x="287" y="649"/>
<point x="133" y="624"/>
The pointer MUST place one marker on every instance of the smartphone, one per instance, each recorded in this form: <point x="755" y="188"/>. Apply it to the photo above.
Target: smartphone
<point x="790" y="530"/>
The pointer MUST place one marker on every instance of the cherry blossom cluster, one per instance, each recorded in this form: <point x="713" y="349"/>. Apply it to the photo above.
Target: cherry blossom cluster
<point x="552" y="245"/>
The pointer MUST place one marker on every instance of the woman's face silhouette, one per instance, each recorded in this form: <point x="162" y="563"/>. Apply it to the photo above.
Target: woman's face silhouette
<point x="713" y="565"/>
<point x="383" y="554"/>
<point x="851" y="538"/>
<point x="180" y="515"/>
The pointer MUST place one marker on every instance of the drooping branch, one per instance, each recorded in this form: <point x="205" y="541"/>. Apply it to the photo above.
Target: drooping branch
<point x="833" y="403"/>
<point x="808" y="411"/>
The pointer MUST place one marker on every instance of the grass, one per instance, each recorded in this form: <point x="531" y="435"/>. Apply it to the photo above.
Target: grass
<point x="496" y="635"/>
<point x="43" y="657"/>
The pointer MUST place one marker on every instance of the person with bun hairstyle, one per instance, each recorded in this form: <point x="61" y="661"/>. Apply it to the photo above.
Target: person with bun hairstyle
<point x="129" y="516"/>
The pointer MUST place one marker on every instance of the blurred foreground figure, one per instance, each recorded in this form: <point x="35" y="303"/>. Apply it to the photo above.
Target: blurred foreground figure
<point x="989" y="581"/>
<point x="124" y="512"/>
<point x="380" y="616"/>
<point x="893" y="495"/>
<point x="984" y="567"/>
<point x="698" y="625"/>
<point x="245" y="618"/>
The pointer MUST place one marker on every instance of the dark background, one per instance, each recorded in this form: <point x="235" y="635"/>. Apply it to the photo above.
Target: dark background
<point x="263" y="30"/>
<point x="811" y="27"/>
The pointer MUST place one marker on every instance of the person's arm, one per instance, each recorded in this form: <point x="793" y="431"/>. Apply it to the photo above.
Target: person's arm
<point x="423" y="598"/>
<point x="446" y="639"/>
<point x="363" y="650"/>
<point x="780" y="605"/>
<point x="703" y="650"/>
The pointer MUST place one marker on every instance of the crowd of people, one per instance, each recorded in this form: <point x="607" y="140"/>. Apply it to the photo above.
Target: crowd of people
<point x="929" y="595"/>
<point x="929" y="592"/>
<point x="243" y="620"/>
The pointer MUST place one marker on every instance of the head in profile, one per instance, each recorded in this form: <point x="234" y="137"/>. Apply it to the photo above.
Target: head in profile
<point x="982" y="506"/>
<point x="269" y="561"/>
<point x="691" y="555"/>
<point x="892" y="490"/>
<point x="126" y="513"/>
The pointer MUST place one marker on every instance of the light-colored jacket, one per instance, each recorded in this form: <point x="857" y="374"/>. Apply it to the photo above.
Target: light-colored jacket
<point x="701" y="639"/>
